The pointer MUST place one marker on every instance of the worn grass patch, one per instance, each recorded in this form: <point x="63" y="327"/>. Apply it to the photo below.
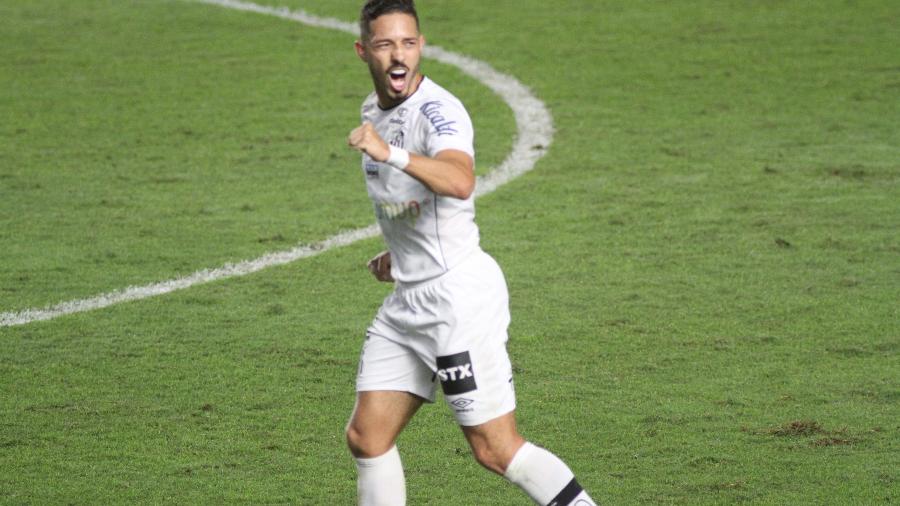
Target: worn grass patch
<point x="797" y="428"/>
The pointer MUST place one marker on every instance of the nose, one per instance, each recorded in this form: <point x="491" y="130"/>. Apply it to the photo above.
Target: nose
<point x="398" y="55"/>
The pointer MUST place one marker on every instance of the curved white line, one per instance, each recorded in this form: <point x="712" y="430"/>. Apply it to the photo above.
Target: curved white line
<point x="535" y="133"/>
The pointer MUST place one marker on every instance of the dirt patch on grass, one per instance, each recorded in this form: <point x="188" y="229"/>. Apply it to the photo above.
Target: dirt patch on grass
<point x="735" y="485"/>
<point x="781" y="243"/>
<point x="797" y="428"/>
<point x="850" y="352"/>
<point x="811" y="428"/>
<point x="831" y="441"/>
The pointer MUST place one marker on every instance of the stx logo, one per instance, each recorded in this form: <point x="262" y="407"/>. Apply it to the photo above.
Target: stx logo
<point x="451" y="374"/>
<point x="456" y="373"/>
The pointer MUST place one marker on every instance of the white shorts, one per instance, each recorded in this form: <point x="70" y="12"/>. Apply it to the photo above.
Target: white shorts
<point x="451" y="330"/>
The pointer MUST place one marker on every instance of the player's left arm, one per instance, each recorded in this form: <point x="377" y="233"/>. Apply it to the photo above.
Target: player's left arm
<point x="450" y="172"/>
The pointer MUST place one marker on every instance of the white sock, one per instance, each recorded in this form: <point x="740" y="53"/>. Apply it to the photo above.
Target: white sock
<point x="380" y="481"/>
<point x="545" y="478"/>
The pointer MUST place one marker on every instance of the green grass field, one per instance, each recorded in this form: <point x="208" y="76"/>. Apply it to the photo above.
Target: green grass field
<point x="704" y="270"/>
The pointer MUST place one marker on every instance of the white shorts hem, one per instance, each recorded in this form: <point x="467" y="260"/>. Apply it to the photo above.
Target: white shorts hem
<point x="482" y="418"/>
<point x="425" y="396"/>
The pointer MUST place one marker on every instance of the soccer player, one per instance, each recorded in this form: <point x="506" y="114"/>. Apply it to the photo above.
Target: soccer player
<point x="446" y="320"/>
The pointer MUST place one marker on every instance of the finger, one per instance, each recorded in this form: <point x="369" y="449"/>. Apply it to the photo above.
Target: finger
<point x="354" y="137"/>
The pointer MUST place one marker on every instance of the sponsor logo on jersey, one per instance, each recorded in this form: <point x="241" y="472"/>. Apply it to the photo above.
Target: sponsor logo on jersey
<point x="456" y="373"/>
<point x="398" y="211"/>
<point x="442" y="126"/>
<point x="372" y="170"/>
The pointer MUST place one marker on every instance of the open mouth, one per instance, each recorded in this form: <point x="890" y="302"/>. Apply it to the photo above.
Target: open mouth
<point x="398" y="79"/>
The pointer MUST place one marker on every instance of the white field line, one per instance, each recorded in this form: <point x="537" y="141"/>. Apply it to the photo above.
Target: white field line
<point x="535" y="133"/>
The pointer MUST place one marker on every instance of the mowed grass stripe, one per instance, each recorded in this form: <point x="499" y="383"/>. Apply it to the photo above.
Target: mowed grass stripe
<point x="175" y="142"/>
<point x="156" y="139"/>
<point x="535" y="134"/>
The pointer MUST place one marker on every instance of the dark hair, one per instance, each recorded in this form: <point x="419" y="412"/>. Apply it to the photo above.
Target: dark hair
<point x="377" y="8"/>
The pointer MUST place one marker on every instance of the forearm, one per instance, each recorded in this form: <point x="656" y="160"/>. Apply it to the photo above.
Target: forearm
<point x="449" y="174"/>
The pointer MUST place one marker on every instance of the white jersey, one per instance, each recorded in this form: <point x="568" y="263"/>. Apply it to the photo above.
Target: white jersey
<point x="427" y="234"/>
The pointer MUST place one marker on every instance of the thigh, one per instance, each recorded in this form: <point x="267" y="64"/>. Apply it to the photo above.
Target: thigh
<point x="473" y="365"/>
<point x="477" y="382"/>
<point x="377" y="420"/>
<point x="387" y="365"/>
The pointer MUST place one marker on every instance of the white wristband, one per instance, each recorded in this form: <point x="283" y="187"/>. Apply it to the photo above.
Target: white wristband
<point x="399" y="158"/>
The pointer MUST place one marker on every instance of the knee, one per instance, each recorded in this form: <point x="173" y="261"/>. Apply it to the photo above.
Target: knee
<point x="356" y="441"/>
<point x="489" y="460"/>
<point x="495" y="458"/>
<point x="364" y="445"/>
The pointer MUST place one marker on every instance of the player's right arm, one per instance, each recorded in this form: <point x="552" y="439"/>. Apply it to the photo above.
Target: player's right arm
<point x="450" y="172"/>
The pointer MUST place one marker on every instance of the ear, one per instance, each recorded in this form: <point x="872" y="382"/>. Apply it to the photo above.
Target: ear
<point x="360" y="50"/>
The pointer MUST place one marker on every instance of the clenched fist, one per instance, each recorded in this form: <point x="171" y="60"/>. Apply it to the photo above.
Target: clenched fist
<point x="380" y="266"/>
<point x="364" y="138"/>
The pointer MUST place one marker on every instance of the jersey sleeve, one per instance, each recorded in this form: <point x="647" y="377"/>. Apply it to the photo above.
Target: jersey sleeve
<point x="446" y="125"/>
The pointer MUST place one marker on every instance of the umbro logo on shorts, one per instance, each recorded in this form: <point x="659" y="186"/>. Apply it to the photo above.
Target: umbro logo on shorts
<point x="456" y="373"/>
<point x="462" y="403"/>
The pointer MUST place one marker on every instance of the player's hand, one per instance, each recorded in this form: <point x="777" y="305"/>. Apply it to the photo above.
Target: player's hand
<point x="380" y="267"/>
<point x="364" y="138"/>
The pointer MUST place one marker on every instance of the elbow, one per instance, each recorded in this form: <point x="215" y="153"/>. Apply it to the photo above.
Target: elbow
<point x="463" y="189"/>
<point x="467" y="190"/>
<point x="465" y="186"/>
<point x="458" y="173"/>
